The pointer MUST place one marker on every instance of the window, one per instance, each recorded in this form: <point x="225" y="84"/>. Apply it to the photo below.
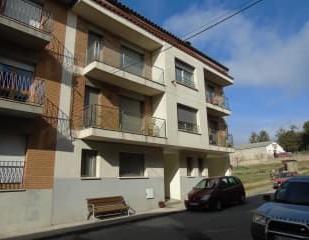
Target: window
<point x="224" y="183"/>
<point x="200" y="166"/>
<point x="184" y="73"/>
<point x="232" y="181"/>
<point x="89" y="163"/>
<point x="132" y="61"/>
<point x="131" y="165"/>
<point x="28" y="12"/>
<point x="15" y="83"/>
<point x="94" y="47"/>
<point x="131" y="115"/>
<point x="187" y="118"/>
<point x="189" y="167"/>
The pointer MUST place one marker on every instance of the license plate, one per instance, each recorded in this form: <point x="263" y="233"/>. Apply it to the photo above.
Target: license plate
<point x="283" y="238"/>
<point x="193" y="204"/>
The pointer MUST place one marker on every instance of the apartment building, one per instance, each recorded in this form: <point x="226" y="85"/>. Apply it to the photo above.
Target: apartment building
<point x="98" y="101"/>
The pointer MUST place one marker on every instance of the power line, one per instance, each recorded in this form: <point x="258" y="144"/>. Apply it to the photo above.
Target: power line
<point x="224" y="19"/>
<point x="207" y="27"/>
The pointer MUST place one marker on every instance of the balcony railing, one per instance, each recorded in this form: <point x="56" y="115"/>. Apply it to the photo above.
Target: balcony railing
<point x="218" y="100"/>
<point x="27" y="13"/>
<point x="11" y="175"/>
<point x="111" y="118"/>
<point x="19" y="85"/>
<point x="138" y="68"/>
<point x="220" y="138"/>
<point x="188" y="127"/>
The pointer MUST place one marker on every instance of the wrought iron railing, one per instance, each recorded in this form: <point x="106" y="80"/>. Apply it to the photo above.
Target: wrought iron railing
<point x="138" y="68"/>
<point x="11" y="175"/>
<point x="112" y="118"/>
<point x="220" y="138"/>
<point x="188" y="127"/>
<point x="28" y="13"/>
<point x="20" y="86"/>
<point x="221" y="101"/>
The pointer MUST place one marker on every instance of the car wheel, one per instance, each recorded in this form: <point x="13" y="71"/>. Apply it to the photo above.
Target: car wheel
<point x="218" y="205"/>
<point x="242" y="199"/>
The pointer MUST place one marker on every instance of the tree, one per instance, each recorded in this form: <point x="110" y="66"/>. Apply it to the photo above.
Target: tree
<point x="306" y="127"/>
<point x="253" y="138"/>
<point x="263" y="136"/>
<point x="290" y="140"/>
<point x="305" y="136"/>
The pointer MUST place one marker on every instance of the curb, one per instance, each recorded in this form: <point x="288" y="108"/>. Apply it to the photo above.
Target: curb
<point x="49" y="234"/>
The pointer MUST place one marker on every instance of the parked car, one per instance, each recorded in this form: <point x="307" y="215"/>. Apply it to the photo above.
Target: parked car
<point x="215" y="193"/>
<point x="285" y="217"/>
<point x="282" y="177"/>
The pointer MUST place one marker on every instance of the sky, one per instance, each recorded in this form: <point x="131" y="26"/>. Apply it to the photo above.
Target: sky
<point x="266" y="49"/>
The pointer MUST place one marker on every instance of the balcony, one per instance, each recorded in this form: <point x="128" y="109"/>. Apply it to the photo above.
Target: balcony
<point x="11" y="175"/>
<point x="220" y="138"/>
<point x="217" y="105"/>
<point x="102" y="123"/>
<point x="20" y="93"/>
<point x="25" y="23"/>
<point x="103" y="17"/>
<point x="136" y="76"/>
<point x="188" y="127"/>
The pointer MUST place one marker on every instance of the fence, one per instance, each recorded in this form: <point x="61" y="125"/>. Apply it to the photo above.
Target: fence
<point x="111" y="118"/>
<point x="136" y="67"/>
<point x="220" y="138"/>
<point x="11" y="175"/>
<point x="19" y="85"/>
<point x="218" y="100"/>
<point x="28" y="13"/>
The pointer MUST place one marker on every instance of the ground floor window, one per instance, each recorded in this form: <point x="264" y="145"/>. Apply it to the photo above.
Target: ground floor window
<point x="89" y="163"/>
<point x="131" y="164"/>
<point x="189" y="166"/>
<point x="12" y="159"/>
<point x="200" y="166"/>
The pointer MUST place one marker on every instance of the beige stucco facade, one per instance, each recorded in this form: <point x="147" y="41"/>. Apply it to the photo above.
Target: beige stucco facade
<point x="166" y="149"/>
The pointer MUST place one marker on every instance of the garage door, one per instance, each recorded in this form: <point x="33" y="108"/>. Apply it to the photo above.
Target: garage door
<point x="12" y="157"/>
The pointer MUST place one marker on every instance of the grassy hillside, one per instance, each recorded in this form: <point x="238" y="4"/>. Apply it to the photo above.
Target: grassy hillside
<point x="256" y="176"/>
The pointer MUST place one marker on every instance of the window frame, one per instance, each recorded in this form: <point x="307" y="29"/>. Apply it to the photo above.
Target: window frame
<point x="194" y="128"/>
<point x="142" y="155"/>
<point x="190" y="166"/>
<point x="95" y="153"/>
<point x="122" y="60"/>
<point x="101" y="45"/>
<point x="183" y="68"/>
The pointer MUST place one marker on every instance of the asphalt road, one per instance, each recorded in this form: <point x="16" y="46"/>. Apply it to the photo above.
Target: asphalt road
<point x="231" y="223"/>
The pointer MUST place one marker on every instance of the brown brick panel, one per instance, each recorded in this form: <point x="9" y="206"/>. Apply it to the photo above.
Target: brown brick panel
<point x="40" y="154"/>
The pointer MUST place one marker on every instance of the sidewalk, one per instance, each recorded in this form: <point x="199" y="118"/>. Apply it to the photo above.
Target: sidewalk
<point x="172" y="207"/>
<point x="63" y="229"/>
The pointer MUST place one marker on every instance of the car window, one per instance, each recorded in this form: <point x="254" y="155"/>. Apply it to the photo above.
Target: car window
<point x="207" y="183"/>
<point x="232" y="181"/>
<point x="293" y="193"/>
<point x="224" y="183"/>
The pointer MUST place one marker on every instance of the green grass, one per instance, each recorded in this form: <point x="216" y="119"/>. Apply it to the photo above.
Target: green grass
<point x="256" y="176"/>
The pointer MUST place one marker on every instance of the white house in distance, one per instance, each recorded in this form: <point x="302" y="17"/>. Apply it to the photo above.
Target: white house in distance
<point x="254" y="153"/>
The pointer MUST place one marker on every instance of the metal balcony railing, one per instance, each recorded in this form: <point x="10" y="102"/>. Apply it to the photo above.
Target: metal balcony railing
<point x="138" y="68"/>
<point x="11" y="175"/>
<point x="28" y="13"/>
<point x="188" y="127"/>
<point x="220" y="138"/>
<point x="111" y="118"/>
<point x="218" y="100"/>
<point x="19" y="85"/>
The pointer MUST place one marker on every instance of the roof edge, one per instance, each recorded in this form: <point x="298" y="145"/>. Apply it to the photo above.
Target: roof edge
<point x="157" y="30"/>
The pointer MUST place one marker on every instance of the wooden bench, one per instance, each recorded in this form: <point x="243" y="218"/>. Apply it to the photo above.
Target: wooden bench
<point x="107" y="206"/>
